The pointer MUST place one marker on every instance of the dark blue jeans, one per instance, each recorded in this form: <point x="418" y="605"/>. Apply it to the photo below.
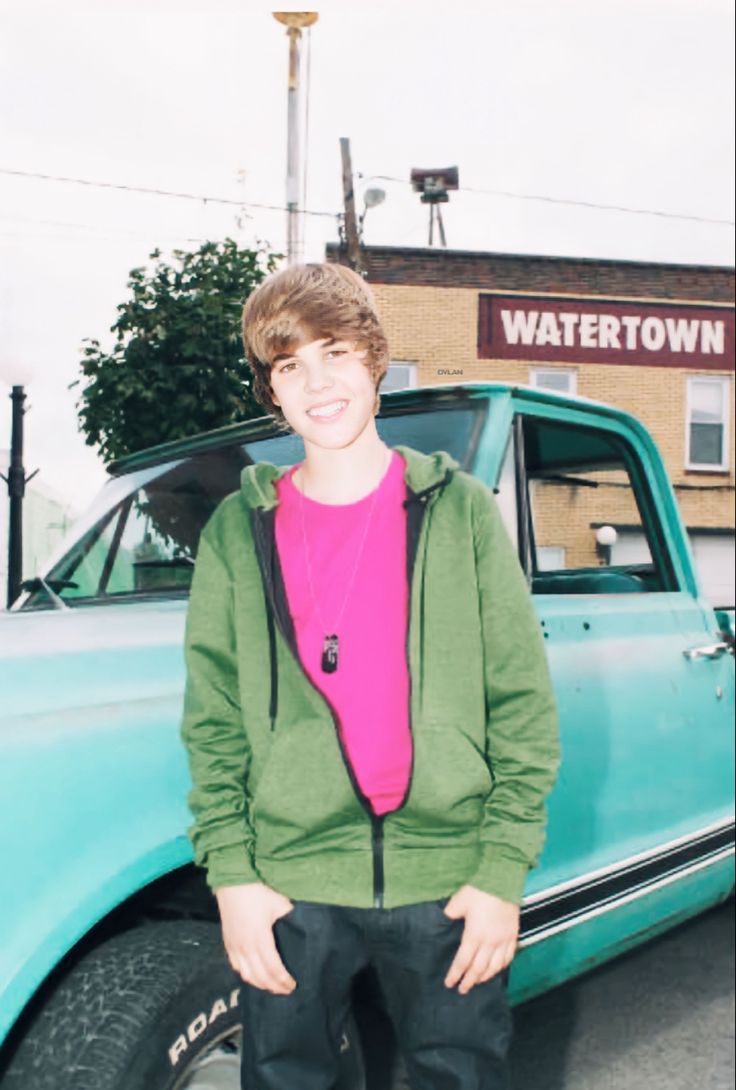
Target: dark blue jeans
<point x="449" y="1041"/>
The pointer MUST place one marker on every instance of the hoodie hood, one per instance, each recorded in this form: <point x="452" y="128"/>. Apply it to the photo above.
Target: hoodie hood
<point x="423" y="472"/>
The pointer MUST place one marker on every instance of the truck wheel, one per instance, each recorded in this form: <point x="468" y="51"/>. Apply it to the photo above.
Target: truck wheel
<point x="155" y="1008"/>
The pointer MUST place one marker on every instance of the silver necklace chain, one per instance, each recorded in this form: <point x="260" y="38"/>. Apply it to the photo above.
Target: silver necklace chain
<point x="358" y="556"/>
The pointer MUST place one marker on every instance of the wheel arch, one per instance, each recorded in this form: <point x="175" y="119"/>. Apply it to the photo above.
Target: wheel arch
<point x="165" y="884"/>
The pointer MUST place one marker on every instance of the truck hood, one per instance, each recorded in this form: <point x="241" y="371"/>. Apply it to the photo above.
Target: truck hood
<point x="59" y="659"/>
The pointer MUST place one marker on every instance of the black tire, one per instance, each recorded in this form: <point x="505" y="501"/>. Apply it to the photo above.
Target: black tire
<point x="143" y="1011"/>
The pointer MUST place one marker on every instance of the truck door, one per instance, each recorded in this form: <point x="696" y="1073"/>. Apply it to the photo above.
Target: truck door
<point x="645" y="692"/>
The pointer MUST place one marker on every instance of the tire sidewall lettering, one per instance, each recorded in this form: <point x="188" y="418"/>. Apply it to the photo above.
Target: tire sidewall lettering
<point x="197" y="1027"/>
<point x="202" y="1022"/>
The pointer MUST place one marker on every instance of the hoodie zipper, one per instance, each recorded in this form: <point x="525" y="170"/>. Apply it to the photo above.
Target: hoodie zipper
<point x="272" y="576"/>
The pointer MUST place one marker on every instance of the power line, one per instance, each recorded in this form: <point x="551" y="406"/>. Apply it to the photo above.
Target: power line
<point x="94" y="233"/>
<point x="159" y="192"/>
<point x="508" y="194"/>
<point x="576" y="204"/>
<point x="98" y="230"/>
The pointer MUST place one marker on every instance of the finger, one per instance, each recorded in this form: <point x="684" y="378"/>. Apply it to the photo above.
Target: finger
<point x="509" y="953"/>
<point x="261" y="977"/>
<point x="496" y="963"/>
<point x="273" y="965"/>
<point x="252" y="970"/>
<point x="287" y="906"/>
<point x="245" y="970"/>
<point x="475" y="970"/>
<point x="454" y="908"/>
<point x="466" y="951"/>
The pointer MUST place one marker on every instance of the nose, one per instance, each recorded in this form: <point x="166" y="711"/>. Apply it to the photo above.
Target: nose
<point x="316" y="376"/>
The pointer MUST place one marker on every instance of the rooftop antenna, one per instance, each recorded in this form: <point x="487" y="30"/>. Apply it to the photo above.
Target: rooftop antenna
<point x="433" y="186"/>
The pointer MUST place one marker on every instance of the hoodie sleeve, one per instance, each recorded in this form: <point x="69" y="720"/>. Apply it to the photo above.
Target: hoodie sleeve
<point x="212" y="727"/>
<point x="522" y="743"/>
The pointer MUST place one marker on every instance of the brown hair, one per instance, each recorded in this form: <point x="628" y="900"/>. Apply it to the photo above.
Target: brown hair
<point x="309" y="302"/>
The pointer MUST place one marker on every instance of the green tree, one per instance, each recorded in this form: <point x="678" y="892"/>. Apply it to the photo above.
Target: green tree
<point x="177" y="365"/>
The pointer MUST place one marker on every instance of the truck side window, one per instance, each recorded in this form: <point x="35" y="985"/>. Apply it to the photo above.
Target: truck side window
<point x="586" y="532"/>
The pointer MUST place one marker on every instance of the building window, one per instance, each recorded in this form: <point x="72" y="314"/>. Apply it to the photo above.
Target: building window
<point x="707" y="423"/>
<point x="550" y="558"/>
<point x="554" y="378"/>
<point x="399" y="376"/>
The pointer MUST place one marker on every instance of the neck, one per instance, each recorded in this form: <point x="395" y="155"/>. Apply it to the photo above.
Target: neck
<point x="344" y="475"/>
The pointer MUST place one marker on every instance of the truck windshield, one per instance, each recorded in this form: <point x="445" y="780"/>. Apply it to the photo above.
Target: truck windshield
<point x="145" y="544"/>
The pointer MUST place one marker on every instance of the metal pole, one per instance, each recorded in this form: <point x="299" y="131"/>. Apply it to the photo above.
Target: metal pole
<point x="294" y="21"/>
<point x="292" y="155"/>
<point x="441" y="226"/>
<point x="16" y="489"/>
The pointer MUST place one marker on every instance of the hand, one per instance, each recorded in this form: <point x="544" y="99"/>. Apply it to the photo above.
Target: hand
<point x="248" y="913"/>
<point x="489" y="937"/>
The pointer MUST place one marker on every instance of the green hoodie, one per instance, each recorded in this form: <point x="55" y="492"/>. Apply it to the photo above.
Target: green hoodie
<point x="274" y="798"/>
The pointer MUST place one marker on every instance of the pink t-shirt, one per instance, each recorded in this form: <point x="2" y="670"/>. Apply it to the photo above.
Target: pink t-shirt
<point x="369" y="691"/>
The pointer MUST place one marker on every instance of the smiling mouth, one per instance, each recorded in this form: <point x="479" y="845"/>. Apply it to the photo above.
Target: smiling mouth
<point x="327" y="411"/>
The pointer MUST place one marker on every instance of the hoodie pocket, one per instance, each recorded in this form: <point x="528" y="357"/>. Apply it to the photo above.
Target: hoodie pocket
<point x="303" y="800"/>
<point x="450" y="783"/>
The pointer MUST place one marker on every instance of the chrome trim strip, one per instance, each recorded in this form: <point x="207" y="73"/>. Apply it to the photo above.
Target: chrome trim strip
<point x="631" y="860"/>
<point x="626" y="898"/>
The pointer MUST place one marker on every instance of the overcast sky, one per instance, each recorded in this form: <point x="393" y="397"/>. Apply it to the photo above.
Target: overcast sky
<point x="627" y="103"/>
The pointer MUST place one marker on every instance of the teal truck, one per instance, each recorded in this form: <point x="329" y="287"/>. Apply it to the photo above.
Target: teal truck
<point x="112" y="972"/>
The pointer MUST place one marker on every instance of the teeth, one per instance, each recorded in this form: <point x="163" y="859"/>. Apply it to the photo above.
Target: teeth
<point x="328" y="410"/>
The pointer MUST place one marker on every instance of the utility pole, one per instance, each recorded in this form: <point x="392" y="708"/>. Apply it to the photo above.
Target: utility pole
<point x="351" y="222"/>
<point x="294" y="21"/>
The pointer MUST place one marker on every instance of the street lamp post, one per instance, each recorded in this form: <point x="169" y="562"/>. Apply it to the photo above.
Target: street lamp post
<point x="294" y="21"/>
<point x="16" y="481"/>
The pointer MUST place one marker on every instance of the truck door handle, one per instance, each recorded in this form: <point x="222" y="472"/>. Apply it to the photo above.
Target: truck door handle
<point x="708" y="651"/>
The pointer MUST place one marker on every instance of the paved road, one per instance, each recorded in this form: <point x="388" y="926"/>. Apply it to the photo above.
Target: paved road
<point x="660" y="1018"/>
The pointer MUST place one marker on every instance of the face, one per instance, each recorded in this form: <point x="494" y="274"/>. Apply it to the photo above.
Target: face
<point x="325" y="391"/>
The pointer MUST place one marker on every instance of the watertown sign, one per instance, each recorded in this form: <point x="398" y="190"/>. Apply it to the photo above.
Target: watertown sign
<point x="563" y="329"/>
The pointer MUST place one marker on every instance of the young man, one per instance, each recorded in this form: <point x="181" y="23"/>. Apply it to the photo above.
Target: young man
<point x="369" y="718"/>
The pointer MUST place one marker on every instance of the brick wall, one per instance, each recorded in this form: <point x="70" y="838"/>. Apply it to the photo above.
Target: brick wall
<point x="522" y="272"/>
<point x="428" y="300"/>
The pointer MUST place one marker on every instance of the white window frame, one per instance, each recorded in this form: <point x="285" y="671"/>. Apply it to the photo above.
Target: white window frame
<point x="412" y="367"/>
<point x="572" y="376"/>
<point x="724" y="382"/>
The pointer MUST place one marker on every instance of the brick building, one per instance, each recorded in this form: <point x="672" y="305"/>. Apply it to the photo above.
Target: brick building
<point x="656" y="340"/>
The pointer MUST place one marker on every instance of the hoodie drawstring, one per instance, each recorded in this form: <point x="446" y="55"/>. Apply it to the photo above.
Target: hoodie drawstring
<point x="273" y="661"/>
<point x="422" y="498"/>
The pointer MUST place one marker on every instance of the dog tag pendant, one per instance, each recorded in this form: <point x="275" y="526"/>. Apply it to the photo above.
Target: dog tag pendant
<point x="329" y="654"/>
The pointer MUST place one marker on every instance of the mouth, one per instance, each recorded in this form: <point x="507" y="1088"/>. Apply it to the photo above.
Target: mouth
<point x="327" y="412"/>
